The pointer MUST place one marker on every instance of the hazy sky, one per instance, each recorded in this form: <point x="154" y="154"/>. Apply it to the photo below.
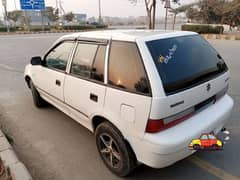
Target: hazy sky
<point x="121" y="8"/>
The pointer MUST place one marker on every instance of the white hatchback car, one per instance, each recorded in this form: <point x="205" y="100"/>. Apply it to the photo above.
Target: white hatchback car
<point x="145" y="94"/>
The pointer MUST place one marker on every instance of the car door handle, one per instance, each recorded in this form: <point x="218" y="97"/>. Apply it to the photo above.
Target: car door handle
<point x="58" y="82"/>
<point x="94" y="97"/>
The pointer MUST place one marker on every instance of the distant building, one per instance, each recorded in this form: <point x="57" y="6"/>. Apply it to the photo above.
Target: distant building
<point x="80" y="17"/>
<point x="141" y="20"/>
<point x="92" y="20"/>
<point x="36" y="18"/>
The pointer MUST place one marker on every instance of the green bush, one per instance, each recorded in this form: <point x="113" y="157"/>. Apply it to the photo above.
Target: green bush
<point x="78" y="27"/>
<point x="4" y="29"/>
<point x="203" y="29"/>
<point x="39" y="28"/>
<point x="48" y="28"/>
<point x="101" y="26"/>
<point x="83" y="27"/>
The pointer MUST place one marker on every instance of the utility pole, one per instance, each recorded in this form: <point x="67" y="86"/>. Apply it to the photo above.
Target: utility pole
<point x="100" y="12"/>
<point x="42" y="19"/>
<point x="4" y="3"/>
<point x="15" y="4"/>
<point x="56" y="4"/>
<point x="167" y="6"/>
<point x="60" y="10"/>
<point x="174" y="20"/>
<point x="26" y="17"/>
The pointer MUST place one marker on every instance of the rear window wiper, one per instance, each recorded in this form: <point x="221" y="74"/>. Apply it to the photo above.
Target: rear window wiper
<point x="221" y="66"/>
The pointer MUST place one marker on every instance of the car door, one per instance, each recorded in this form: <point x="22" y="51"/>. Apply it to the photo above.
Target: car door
<point x="212" y="139"/>
<point x="204" y="140"/>
<point x="49" y="78"/>
<point x="84" y="88"/>
<point x="128" y="96"/>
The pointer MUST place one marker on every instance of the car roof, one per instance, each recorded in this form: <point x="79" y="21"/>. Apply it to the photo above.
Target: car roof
<point x="128" y="35"/>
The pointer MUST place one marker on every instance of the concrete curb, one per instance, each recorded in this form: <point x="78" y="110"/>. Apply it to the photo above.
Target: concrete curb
<point x="9" y="158"/>
<point x="222" y="36"/>
<point x="47" y="32"/>
<point x="39" y="32"/>
<point x="206" y="36"/>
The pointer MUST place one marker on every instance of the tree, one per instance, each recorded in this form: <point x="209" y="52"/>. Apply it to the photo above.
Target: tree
<point x="69" y="17"/>
<point x="180" y="9"/>
<point x="25" y="21"/>
<point x="216" y="11"/>
<point x="231" y="13"/>
<point x="210" y="11"/>
<point x="193" y="14"/>
<point x="15" y="15"/>
<point x="51" y="13"/>
<point x="151" y="10"/>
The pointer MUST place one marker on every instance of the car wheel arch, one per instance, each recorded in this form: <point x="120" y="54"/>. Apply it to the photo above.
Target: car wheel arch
<point x="97" y="120"/>
<point x="28" y="80"/>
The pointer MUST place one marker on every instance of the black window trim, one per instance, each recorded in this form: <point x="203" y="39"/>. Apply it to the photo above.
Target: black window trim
<point x="69" y="58"/>
<point x="93" y="40"/>
<point x="144" y="68"/>
<point x="98" y="43"/>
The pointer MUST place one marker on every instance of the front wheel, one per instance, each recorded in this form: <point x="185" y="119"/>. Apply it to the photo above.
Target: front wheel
<point x="37" y="99"/>
<point x="196" y="147"/>
<point x="114" y="151"/>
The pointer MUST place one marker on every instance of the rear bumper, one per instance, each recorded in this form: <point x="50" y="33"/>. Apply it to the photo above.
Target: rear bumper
<point x="167" y="147"/>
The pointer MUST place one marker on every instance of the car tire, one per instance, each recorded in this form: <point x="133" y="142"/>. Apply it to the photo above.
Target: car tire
<point x="196" y="147"/>
<point x="114" y="151"/>
<point x="215" y="147"/>
<point x="37" y="99"/>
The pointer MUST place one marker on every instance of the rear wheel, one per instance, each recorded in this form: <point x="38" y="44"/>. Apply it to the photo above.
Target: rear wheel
<point x="196" y="147"/>
<point x="114" y="151"/>
<point x="37" y="99"/>
<point x="215" y="147"/>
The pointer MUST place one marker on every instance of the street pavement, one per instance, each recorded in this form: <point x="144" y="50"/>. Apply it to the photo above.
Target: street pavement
<point x="55" y="147"/>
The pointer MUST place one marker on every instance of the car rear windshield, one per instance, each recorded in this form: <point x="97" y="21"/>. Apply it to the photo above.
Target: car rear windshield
<point x="184" y="62"/>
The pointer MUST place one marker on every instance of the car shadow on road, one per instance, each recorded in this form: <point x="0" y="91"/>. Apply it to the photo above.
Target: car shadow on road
<point x="183" y="169"/>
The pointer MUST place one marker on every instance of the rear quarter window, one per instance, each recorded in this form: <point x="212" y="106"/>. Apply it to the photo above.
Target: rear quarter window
<point x="126" y="70"/>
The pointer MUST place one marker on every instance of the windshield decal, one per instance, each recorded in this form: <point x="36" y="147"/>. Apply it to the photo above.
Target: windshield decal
<point x="168" y="57"/>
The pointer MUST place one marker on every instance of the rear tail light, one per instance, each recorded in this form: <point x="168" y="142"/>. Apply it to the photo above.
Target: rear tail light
<point x="155" y="126"/>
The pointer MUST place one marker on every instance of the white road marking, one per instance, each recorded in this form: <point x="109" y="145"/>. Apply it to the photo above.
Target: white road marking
<point x="9" y="68"/>
<point x="3" y="66"/>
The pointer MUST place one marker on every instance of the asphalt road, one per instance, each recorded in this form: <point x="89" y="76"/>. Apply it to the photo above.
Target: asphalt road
<point x="54" y="147"/>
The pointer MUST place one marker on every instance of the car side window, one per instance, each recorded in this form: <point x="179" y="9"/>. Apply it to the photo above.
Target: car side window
<point x="126" y="69"/>
<point x="88" y="61"/>
<point x="212" y="137"/>
<point x="204" y="137"/>
<point x="99" y="64"/>
<point x="58" y="57"/>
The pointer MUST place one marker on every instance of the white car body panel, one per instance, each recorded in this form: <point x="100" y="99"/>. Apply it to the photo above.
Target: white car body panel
<point x="190" y="96"/>
<point x="165" y="148"/>
<point x="77" y="94"/>
<point x="130" y="112"/>
<point x="117" y="102"/>
<point x="73" y="113"/>
<point x="45" y="79"/>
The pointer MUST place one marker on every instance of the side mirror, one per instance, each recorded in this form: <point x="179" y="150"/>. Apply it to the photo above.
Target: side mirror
<point x="35" y="61"/>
